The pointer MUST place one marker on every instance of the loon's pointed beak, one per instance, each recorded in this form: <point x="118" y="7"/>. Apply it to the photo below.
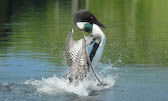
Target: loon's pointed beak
<point x="100" y="24"/>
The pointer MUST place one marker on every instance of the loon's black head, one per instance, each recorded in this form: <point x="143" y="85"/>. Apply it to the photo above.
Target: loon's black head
<point x="85" y="16"/>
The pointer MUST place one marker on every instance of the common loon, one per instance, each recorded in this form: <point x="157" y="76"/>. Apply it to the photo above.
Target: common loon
<point x="81" y="54"/>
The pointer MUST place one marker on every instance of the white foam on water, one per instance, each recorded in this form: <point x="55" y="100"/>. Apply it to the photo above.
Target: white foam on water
<point x="55" y="85"/>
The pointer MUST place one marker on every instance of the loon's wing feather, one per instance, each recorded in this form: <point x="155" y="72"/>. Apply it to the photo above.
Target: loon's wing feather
<point x="68" y="44"/>
<point x="76" y="56"/>
<point x="72" y="49"/>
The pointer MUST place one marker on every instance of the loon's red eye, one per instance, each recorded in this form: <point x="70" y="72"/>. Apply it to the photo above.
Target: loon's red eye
<point x="91" y="17"/>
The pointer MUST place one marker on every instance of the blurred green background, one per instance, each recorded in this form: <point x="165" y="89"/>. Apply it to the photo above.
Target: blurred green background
<point x="136" y="30"/>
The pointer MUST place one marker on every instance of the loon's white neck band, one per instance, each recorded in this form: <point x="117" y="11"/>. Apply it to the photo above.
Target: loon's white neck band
<point x="99" y="36"/>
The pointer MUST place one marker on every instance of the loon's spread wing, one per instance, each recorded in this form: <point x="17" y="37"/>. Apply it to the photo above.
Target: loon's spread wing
<point x="77" y="58"/>
<point x="71" y="52"/>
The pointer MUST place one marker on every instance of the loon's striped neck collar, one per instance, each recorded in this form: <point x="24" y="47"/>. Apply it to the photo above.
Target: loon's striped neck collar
<point x="85" y="26"/>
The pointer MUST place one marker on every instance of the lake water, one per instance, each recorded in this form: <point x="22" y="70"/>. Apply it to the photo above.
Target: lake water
<point x="134" y="65"/>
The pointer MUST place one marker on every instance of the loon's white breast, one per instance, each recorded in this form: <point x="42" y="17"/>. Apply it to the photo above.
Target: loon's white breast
<point x="100" y="38"/>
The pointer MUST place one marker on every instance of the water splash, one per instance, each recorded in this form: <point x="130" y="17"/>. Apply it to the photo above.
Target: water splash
<point x="55" y="85"/>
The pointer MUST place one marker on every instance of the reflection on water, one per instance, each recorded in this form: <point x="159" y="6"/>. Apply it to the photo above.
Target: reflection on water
<point x="33" y="32"/>
<point x="136" y="33"/>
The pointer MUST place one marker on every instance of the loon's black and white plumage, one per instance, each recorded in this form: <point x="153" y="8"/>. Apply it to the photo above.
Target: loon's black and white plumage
<point x="80" y="54"/>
